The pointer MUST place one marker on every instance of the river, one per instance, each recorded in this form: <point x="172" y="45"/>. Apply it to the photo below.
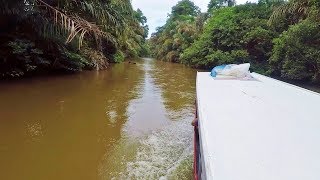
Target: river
<point x="131" y="121"/>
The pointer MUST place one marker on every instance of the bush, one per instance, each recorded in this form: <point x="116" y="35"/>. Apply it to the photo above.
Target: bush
<point x="296" y="53"/>
<point x="72" y="62"/>
<point x="233" y="57"/>
<point x="118" y="57"/>
<point x="233" y="35"/>
<point x="20" y="56"/>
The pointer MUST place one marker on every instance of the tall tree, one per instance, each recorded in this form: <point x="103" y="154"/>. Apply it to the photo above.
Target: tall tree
<point x="216" y="4"/>
<point x="184" y="8"/>
<point x="178" y="33"/>
<point x="139" y="16"/>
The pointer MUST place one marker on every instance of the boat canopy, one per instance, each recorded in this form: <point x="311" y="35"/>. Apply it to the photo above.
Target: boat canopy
<point x="261" y="129"/>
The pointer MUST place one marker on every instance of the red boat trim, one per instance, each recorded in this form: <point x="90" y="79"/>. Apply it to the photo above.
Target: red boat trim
<point x="196" y="144"/>
<point x="195" y="156"/>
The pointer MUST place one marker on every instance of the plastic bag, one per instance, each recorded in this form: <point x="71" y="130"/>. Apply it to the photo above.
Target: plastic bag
<point x="232" y="71"/>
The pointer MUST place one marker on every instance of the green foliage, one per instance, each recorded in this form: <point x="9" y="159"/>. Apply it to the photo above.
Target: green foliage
<point x="219" y="57"/>
<point x="296" y="52"/>
<point x="232" y="35"/>
<point x="41" y="35"/>
<point x="216" y="4"/>
<point x="73" y="61"/>
<point x="279" y="38"/>
<point x="118" y="57"/>
<point x="184" y="8"/>
<point x="140" y="17"/>
<point x="295" y="10"/>
<point x="143" y="31"/>
<point x="24" y="58"/>
<point x="178" y="34"/>
<point x="21" y="47"/>
<point x="198" y="52"/>
<point x="145" y="50"/>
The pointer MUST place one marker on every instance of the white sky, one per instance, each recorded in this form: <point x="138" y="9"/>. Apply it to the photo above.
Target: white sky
<point x="156" y="11"/>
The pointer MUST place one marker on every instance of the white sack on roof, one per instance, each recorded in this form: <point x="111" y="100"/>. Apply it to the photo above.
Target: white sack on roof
<point x="231" y="71"/>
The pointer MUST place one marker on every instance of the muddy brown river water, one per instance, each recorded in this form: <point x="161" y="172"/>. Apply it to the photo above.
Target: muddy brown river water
<point x="131" y="121"/>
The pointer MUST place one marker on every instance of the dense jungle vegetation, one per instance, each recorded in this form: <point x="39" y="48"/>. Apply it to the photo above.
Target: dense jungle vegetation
<point x="279" y="38"/>
<point x="41" y="36"/>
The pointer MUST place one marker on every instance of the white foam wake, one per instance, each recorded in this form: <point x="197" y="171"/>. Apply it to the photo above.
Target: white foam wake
<point x="163" y="152"/>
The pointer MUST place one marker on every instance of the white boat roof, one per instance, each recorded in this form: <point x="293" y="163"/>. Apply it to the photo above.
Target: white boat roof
<point x="258" y="130"/>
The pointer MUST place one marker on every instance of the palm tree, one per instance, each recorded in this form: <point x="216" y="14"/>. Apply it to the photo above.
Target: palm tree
<point x="78" y="18"/>
<point x="297" y="9"/>
<point x="101" y="27"/>
<point x="216" y="4"/>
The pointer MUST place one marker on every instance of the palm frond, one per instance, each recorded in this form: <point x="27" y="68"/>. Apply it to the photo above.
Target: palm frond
<point x="74" y="25"/>
<point x="300" y="8"/>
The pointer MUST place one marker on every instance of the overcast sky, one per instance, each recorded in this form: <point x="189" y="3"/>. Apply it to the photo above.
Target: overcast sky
<point x="157" y="10"/>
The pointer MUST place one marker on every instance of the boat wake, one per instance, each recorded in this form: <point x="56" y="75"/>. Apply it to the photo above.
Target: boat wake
<point x="165" y="154"/>
<point x="162" y="154"/>
<point x="157" y="138"/>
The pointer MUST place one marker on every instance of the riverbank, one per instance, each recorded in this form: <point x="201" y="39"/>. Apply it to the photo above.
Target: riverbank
<point x="54" y="74"/>
<point x="262" y="34"/>
<point x="40" y="37"/>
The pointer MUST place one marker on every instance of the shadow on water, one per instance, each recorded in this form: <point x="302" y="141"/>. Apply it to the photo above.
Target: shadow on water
<point x="178" y="86"/>
<point x="129" y="122"/>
